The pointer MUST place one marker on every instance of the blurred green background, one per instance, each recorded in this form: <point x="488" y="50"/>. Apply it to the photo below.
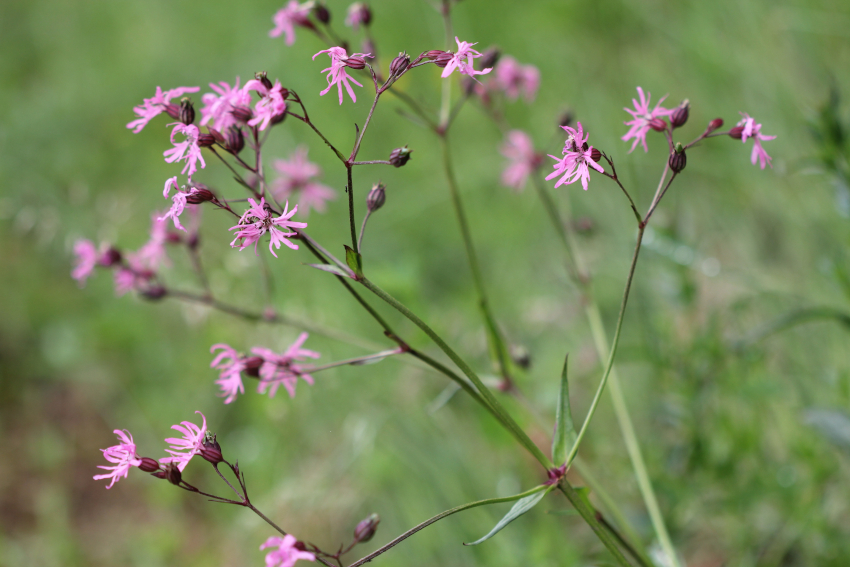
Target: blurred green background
<point x="747" y="441"/>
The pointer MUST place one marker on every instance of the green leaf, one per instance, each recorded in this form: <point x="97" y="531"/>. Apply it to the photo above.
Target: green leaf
<point x="522" y="506"/>
<point x="565" y="431"/>
<point x="336" y="270"/>
<point x="354" y="261"/>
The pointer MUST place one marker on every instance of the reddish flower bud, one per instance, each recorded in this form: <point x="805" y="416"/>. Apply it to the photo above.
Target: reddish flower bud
<point x="363" y="15"/>
<point x="154" y="292"/>
<point x="715" y="124"/>
<point x="595" y="154"/>
<point x="263" y="78"/>
<point x="172" y="474"/>
<point x="210" y="449"/>
<point x="399" y="64"/>
<point x="355" y="62"/>
<point x="376" y="197"/>
<point x="235" y="140"/>
<point x="173" y="237"/>
<point x="173" y="110"/>
<point x="433" y="54"/>
<point x="400" y="156"/>
<point x="443" y="59"/>
<point x="278" y="118"/>
<point x="322" y="13"/>
<point x="680" y="115"/>
<point x="678" y="159"/>
<point x="737" y="132"/>
<point x="219" y="137"/>
<point x="205" y="140"/>
<point x="148" y="465"/>
<point x="252" y="366"/>
<point x="366" y="529"/>
<point x="200" y="195"/>
<point x="109" y="258"/>
<point x="658" y="124"/>
<point x="242" y="113"/>
<point x="489" y="58"/>
<point x="187" y="111"/>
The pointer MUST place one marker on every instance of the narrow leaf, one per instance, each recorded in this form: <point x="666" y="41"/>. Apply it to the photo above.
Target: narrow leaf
<point x="565" y="432"/>
<point x="336" y="270"/>
<point x="522" y="506"/>
<point x="354" y="261"/>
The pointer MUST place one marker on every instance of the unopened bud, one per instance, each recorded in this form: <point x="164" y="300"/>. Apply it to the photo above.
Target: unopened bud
<point x="443" y="59"/>
<point x="173" y="110"/>
<point x="399" y="64"/>
<point x="210" y="449"/>
<point x="171" y="473"/>
<point x="433" y="54"/>
<point x="715" y="124"/>
<point x="680" y="115"/>
<point x="355" y="62"/>
<point x="490" y="57"/>
<point x="263" y="78"/>
<point x="595" y="154"/>
<point x="737" y="132"/>
<point x="235" y="139"/>
<point x="205" y="140"/>
<point x="366" y="529"/>
<point x="148" y="465"/>
<point x="360" y="12"/>
<point x="154" y="292"/>
<point x="376" y="197"/>
<point x="187" y="111"/>
<point x="658" y="124"/>
<point x="322" y="13"/>
<point x="242" y="113"/>
<point x="110" y="258"/>
<point x="252" y="366"/>
<point x="199" y="194"/>
<point x="219" y="137"/>
<point x="400" y="156"/>
<point x="678" y="159"/>
<point x="278" y="118"/>
<point x="566" y="119"/>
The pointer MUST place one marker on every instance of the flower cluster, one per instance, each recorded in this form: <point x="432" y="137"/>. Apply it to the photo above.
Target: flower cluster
<point x="271" y="368"/>
<point x="159" y="103"/>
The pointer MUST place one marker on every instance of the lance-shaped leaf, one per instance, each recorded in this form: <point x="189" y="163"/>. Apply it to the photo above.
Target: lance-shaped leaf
<point x="522" y="506"/>
<point x="354" y="261"/>
<point x="565" y="432"/>
<point x="336" y="270"/>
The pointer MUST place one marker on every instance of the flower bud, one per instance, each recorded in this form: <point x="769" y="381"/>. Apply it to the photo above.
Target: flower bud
<point x="737" y="132"/>
<point x="678" y="159"/>
<point x="490" y="57"/>
<point x="658" y="124"/>
<point x="399" y="156"/>
<point x="595" y="154"/>
<point x="362" y="13"/>
<point x="187" y="111"/>
<point x="242" y="113"/>
<point x="366" y="529"/>
<point x="252" y="366"/>
<point x="235" y="139"/>
<point x="443" y="59"/>
<point x="171" y="473"/>
<point x="399" y="64"/>
<point x="110" y="257"/>
<point x="714" y="125"/>
<point x="210" y="449"/>
<point x="173" y="110"/>
<point x="263" y="78"/>
<point x="278" y="118"/>
<point x="148" y="465"/>
<point x="199" y="194"/>
<point x="433" y="54"/>
<point x="205" y="140"/>
<point x="355" y="62"/>
<point x="376" y="197"/>
<point x="322" y="13"/>
<point x="219" y="137"/>
<point x="154" y="292"/>
<point x="680" y="115"/>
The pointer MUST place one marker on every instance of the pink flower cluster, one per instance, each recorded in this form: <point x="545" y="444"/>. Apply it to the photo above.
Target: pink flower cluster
<point x="578" y="156"/>
<point x="297" y="176"/>
<point x="271" y="368"/>
<point x="152" y="107"/>
<point x="259" y="220"/>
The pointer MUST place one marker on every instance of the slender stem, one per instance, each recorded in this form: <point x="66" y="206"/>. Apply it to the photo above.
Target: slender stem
<point x="446" y="100"/>
<point x="637" y="555"/>
<point x="373" y="162"/>
<point x="495" y="340"/>
<point x="495" y="406"/>
<point x="306" y="120"/>
<point x="356" y="148"/>
<point x="264" y="517"/>
<point x="239" y="494"/>
<point x="414" y="106"/>
<point x="238" y="176"/>
<point x="658" y="199"/>
<point x="613" y="176"/>
<point x="363" y="228"/>
<point x="350" y="191"/>
<point x="589" y="515"/>
<point x="195" y="257"/>
<point x="438" y="517"/>
<point x="355" y="361"/>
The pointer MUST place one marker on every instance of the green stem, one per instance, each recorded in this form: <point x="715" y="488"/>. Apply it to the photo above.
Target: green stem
<point x="492" y="403"/>
<point x="589" y="515"/>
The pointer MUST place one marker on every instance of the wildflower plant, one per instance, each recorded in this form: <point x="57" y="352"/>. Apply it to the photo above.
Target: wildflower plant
<point x="236" y="117"/>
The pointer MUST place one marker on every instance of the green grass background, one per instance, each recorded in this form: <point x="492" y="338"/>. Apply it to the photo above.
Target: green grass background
<point x="743" y="476"/>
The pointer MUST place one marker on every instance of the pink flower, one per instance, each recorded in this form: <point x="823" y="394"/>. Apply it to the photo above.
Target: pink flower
<point x="297" y="176"/>
<point x="641" y="117"/>
<point x="512" y="78"/>
<point x="218" y="107"/>
<point x="358" y="13"/>
<point x="230" y="379"/>
<point x="336" y="72"/>
<point x="464" y="51"/>
<point x="187" y="150"/>
<point x="249" y="231"/>
<point x="287" y="554"/>
<point x="577" y="157"/>
<point x="522" y="159"/>
<point x="86" y="259"/>
<point x="122" y="456"/>
<point x="271" y="104"/>
<point x="753" y="130"/>
<point x="190" y="444"/>
<point x="125" y="280"/>
<point x="181" y="199"/>
<point x="152" y="254"/>
<point x="280" y="369"/>
<point x="152" y="107"/>
<point x="285" y="20"/>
